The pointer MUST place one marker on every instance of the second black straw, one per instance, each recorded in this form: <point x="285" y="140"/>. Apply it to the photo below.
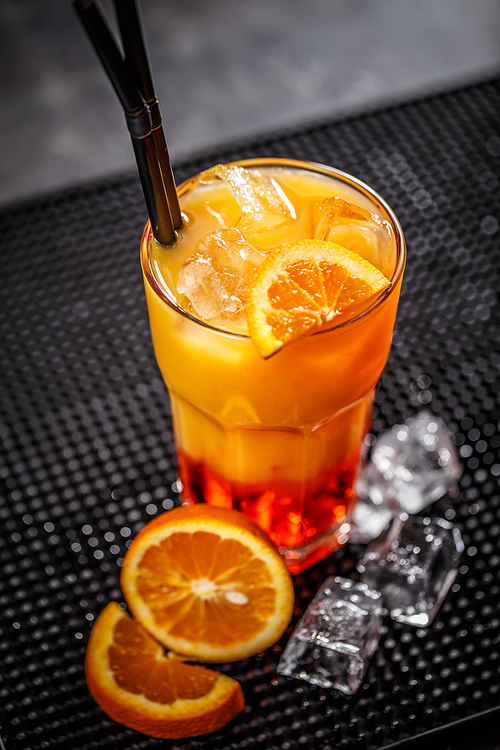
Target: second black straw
<point x="132" y="82"/>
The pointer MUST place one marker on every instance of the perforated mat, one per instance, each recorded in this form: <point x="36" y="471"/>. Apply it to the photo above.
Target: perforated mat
<point x="87" y="453"/>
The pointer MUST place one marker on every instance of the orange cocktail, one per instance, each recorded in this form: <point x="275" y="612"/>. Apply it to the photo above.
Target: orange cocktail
<point x="278" y="438"/>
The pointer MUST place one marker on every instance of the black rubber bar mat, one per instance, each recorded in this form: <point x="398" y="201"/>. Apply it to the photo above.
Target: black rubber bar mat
<point x="87" y="456"/>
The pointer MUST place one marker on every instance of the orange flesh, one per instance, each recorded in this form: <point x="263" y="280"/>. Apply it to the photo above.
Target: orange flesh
<point x="165" y="584"/>
<point x="304" y="290"/>
<point x="139" y="668"/>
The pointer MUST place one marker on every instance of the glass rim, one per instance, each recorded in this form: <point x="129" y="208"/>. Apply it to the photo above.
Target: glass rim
<point x="294" y="164"/>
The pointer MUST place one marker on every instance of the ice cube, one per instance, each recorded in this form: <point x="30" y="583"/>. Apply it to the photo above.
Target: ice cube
<point x="336" y="637"/>
<point x="254" y="191"/>
<point x="375" y="506"/>
<point x="356" y="228"/>
<point x="417" y="462"/>
<point x="413" y="565"/>
<point x="410" y="467"/>
<point x="263" y="203"/>
<point x="215" y="278"/>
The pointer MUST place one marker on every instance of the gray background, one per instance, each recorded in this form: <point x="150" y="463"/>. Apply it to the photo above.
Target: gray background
<point x="223" y="69"/>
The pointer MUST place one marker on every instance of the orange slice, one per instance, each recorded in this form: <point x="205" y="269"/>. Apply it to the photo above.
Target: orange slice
<point x="305" y="285"/>
<point x="208" y="583"/>
<point x="132" y="680"/>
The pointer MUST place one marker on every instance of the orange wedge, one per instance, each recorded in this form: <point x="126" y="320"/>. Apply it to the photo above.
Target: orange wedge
<point x="208" y="583"/>
<point x="302" y="287"/>
<point x="132" y="680"/>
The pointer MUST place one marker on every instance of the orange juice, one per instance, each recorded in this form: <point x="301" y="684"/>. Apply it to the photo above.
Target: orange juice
<point x="280" y="438"/>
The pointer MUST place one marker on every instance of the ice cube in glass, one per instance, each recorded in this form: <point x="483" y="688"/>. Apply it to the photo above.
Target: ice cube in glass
<point x="413" y="565"/>
<point x="264" y="205"/>
<point x="336" y="637"/>
<point x="354" y="227"/>
<point x="215" y="278"/>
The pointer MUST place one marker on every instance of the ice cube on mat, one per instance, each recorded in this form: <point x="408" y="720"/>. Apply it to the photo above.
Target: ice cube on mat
<point x="375" y="507"/>
<point x="411" y="466"/>
<point x="419" y="460"/>
<point x="413" y="565"/>
<point x="336" y="637"/>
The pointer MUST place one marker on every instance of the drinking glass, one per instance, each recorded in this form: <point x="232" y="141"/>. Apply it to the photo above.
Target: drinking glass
<point x="279" y="439"/>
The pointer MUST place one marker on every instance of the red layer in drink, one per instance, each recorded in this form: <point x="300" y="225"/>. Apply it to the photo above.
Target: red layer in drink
<point x="294" y="514"/>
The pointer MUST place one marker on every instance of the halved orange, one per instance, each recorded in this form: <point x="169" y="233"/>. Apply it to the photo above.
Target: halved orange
<point x="136" y="684"/>
<point x="208" y="583"/>
<point x="305" y="285"/>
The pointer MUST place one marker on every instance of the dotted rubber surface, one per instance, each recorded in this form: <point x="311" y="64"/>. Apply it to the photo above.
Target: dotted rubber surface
<point x="87" y="453"/>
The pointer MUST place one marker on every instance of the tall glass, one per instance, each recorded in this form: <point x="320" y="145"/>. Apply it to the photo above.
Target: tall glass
<point x="279" y="439"/>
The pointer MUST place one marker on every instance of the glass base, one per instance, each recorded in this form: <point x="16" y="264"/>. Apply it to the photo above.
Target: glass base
<point x="299" y="558"/>
<point x="305" y="529"/>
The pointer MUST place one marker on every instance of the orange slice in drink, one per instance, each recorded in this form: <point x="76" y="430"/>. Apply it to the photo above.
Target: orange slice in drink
<point x="304" y="286"/>
<point x="133" y="681"/>
<point x="208" y="583"/>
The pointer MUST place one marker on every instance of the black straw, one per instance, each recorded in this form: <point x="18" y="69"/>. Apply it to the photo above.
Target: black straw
<point x="137" y="59"/>
<point x="138" y="120"/>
